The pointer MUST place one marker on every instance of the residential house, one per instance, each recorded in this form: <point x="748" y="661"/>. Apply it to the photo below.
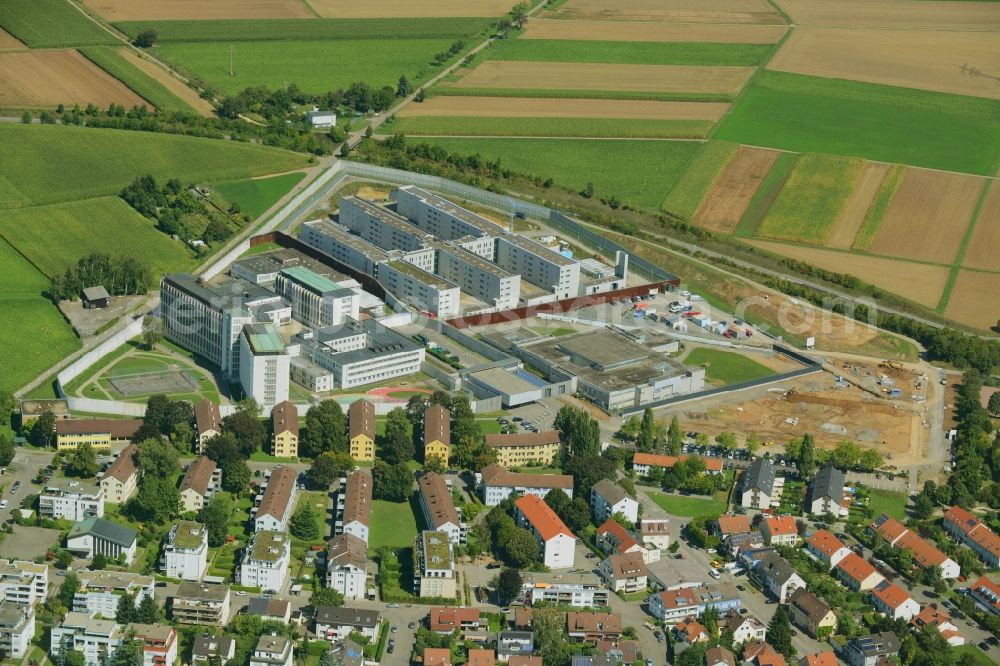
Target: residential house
<point x="777" y="576"/>
<point x="96" y="535"/>
<point x="987" y="594"/>
<point x="272" y="650"/>
<point x="201" y="603"/>
<point x="513" y="644"/>
<point x="623" y="652"/>
<point x="644" y="463"/>
<point x="854" y="572"/>
<point x="497" y="484"/>
<point x="654" y="533"/>
<point x="826" y="548"/>
<point x="581" y="590"/>
<point x="445" y="620"/>
<point x="557" y="542"/>
<point x="892" y="601"/>
<point x="744" y="627"/>
<point x="974" y="533"/>
<point x="336" y="623"/>
<point x="361" y="430"/>
<point x="826" y="493"/>
<point x="437" y="434"/>
<point x="672" y="606"/>
<point x="523" y="660"/>
<point x="100" y="591"/>
<point x="925" y="555"/>
<point x="522" y="448"/>
<point x="347" y="566"/>
<point x="480" y="657"/>
<point x="120" y="480"/>
<point x="611" y="537"/>
<point x="688" y="632"/>
<point x="354" y="505"/>
<point x="185" y="552"/>
<point x="99" y="433"/>
<point x="759" y="653"/>
<point x="593" y="626"/>
<point x="437" y="657"/>
<point x="199" y="483"/>
<point x="68" y="499"/>
<point x="759" y="486"/>
<point x="595" y="660"/>
<point x="270" y="609"/>
<point x="523" y="616"/>
<point x="207" y="423"/>
<point x="17" y="629"/>
<point x="735" y="532"/>
<point x="285" y="430"/>
<point x="932" y="616"/>
<point x="438" y="507"/>
<point x="871" y="650"/>
<point x="159" y="643"/>
<point x="811" y="614"/>
<point x="825" y="658"/>
<point x="277" y="502"/>
<point x="607" y="498"/>
<point x="719" y="656"/>
<point x="779" y="531"/>
<point x="624" y="573"/>
<point x="82" y="632"/>
<point x="207" y="648"/>
<point x="265" y="560"/>
<point x="23" y="582"/>
<point x="434" y="573"/>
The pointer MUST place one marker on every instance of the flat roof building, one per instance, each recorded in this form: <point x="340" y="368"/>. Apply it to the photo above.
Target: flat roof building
<point x="434" y="572"/>
<point x="264" y="371"/>
<point x="201" y="603"/>
<point x="339" y="243"/>
<point x="361" y="352"/>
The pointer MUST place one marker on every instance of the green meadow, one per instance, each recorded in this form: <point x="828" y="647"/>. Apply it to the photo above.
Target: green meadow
<point x="299" y="29"/>
<point x="555" y="127"/>
<point x="642" y="53"/>
<point x="154" y="92"/>
<point x="51" y="23"/>
<point x="256" y="195"/>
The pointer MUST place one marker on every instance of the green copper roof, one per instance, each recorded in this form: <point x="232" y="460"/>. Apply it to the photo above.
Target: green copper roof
<point x="264" y="339"/>
<point x="310" y="279"/>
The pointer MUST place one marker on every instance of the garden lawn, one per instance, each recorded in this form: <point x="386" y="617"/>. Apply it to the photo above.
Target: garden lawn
<point x="887" y="501"/>
<point x="393" y="525"/>
<point x="274" y="64"/>
<point x="638" y="53"/>
<point x="692" y="187"/>
<point x="885" y="123"/>
<point x="51" y="23"/>
<point x="727" y="367"/>
<point x="298" y="29"/>
<point x="639" y="172"/>
<point x="555" y="127"/>
<point x="256" y="195"/>
<point x="49" y="163"/>
<point x="154" y="92"/>
<point x="687" y="506"/>
<point x="970" y="655"/>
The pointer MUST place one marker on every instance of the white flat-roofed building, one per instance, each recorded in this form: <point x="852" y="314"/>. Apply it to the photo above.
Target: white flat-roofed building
<point x="578" y="590"/>
<point x="71" y="500"/>
<point x="100" y="591"/>
<point x="337" y="623"/>
<point x="337" y="242"/>
<point x="347" y="566"/>
<point x="322" y="119"/>
<point x="497" y="484"/>
<point x="185" y="553"/>
<point x="96" y="639"/>
<point x="434" y="573"/>
<point x="17" y="628"/>
<point x="24" y="582"/>
<point x="421" y="289"/>
<point x="538" y="265"/>
<point x="201" y="603"/>
<point x="316" y="299"/>
<point x="436" y="215"/>
<point x="264" y="371"/>
<point x="265" y="560"/>
<point x="272" y="650"/>
<point x="380" y="226"/>
<point x="479" y="278"/>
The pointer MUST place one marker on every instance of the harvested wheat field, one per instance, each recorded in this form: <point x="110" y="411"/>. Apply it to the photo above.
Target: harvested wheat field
<point x="411" y="8"/>
<point x="920" y="283"/>
<point x="928" y="216"/>
<point x="894" y="14"/>
<point x="929" y="60"/>
<point x="165" y="10"/>
<point x="852" y="216"/>
<point x="983" y="250"/>
<point x="9" y="42"/>
<point x="636" y="31"/>
<point x="172" y="84"/>
<point x="521" y="107"/>
<point x="680" y="11"/>
<point x="47" y="78"/>
<point x="973" y="299"/>
<point x="589" y="76"/>
<point x="731" y="192"/>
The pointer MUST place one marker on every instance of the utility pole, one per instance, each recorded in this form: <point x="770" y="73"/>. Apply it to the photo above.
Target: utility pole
<point x="231" y="61"/>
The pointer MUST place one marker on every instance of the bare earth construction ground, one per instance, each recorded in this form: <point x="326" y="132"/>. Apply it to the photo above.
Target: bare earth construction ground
<point x="47" y="78"/>
<point x="681" y="11"/>
<point x="730" y="195"/>
<point x="589" y="76"/>
<point x="635" y="31"/>
<point x="930" y="60"/>
<point x="971" y="294"/>
<point x="928" y="216"/>
<point x="521" y="107"/>
<point x="894" y="14"/>
<point x="401" y="8"/>
<point x="165" y="10"/>
<point x="175" y="86"/>
<point x="856" y="207"/>
<point x="983" y="250"/>
<point x="920" y="283"/>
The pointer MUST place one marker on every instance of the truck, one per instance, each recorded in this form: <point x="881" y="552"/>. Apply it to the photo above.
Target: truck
<point x="680" y="306"/>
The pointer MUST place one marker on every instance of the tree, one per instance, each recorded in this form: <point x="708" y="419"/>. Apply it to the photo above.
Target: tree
<point x="807" y="457"/>
<point x="327" y="468"/>
<point x="398" y="446"/>
<point x="157" y="458"/>
<point x="223" y="449"/>
<point x="517" y="546"/>
<point x="6" y="451"/>
<point x="923" y="507"/>
<point x="647" y="431"/>
<point x="549" y="626"/>
<point x="68" y="589"/>
<point x="64" y="559"/>
<point x="463" y="421"/>
<point x="247" y="428"/>
<point x="558" y="500"/>
<point x="472" y="454"/>
<point x="675" y="437"/>
<point x="588" y="191"/>
<point x="779" y="633"/>
<point x="403" y="87"/>
<point x="508" y="585"/>
<point x="145" y="39"/>
<point x="752" y="443"/>
<point x="157" y="501"/>
<point x="993" y="405"/>
<point x="216" y="518"/>
<point x="42" y="429"/>
<point x="393" y="483"/>
<point x="152" y="331"/>
<point x="8" y="403"/>
<point x="726" y="440"/>
<point x="303" y="523"/>
<point x="74" y="658"/>
<point x="581" y="433"/>
<point x="326" y="430"/>
<point x="126" y="609"/>
<point x="326" y="597"/>
<point x="148" y="611"/>
<point x="26" y="118"/>
<point x="98" y="562"/>
<point x="129" y="653"/>
<point x="235" y="477"/>
<point x="83" y="462"/>
<point x="588" y="470"/>
<point x="503" y="27"/>
<point x="576" y="515"/>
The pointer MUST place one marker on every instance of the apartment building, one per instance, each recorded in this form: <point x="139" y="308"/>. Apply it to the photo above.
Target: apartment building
<point x="538" y="265"/>
<point x="565" y="589"/>
<point x="607" y="498"/>
<point x="96" y="535"/>
<point x="99" y="433"/>
<point x="199" y="483"/>
<point x="265" y="560"/>
<point x="159" y="643"/>
<point x="497" y="484"/>
<point x="811" y="614"/>
<point x="438" y="508"/>
<point x="337" y="623"/>
<point x="68" y="499"/>
<point x="593" y="626"/>
<point x="100" y="591"/>
<point x="206" y="648"/>
<point x="826" y="492"/>
<point x="337" y="242"/>
<point x="925" y="555"/>
<point x="672" y="606"/>
<point x="479" y="278"/>
<point x="17" y="629"/>
<point x="779" y="531"/>
<point x="274" y="506"/>
<point x="208" y="423"/>
<point x="624" y="573"/>
<point x="872" y="650"/>
<point x="201" y="603"/>
<point x="185" y="552"/>
<point x="120" y="481"/>
<point x="556" y="541"/>
<point x="347" y="566"/>
<point x="854" y="572"/>
<point x="440" y="217"/>
<point x="893" y="601"/>
<point x="315" y="299"/>
<point x="354" y="505"/>
<point x="97" y="639"/>
<point x="420" y="288"/>
<point x="758" y="485"/>
<point x="974" y="533"/>
<point x="264" y="364"/>
<point x="272" y="650"/>
<point x="645" y="463"/>
<point x="523" y="448"/>
<point x="285" y="430"/>
<point x="437" y="434"/>
<point x="654" y="533"/>
<point x="777" y="576"/>
<point x="361" y="430"/>
<point x="827" y="548"/>
<point x="434" y="573"/>
<point x="380" y="226"/>
<point x="23" y="582"/>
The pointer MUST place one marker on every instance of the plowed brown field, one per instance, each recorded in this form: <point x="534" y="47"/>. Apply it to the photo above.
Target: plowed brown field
<point x="731" y="192"/>
<point x="894" y="14"/>
<point x="164" y="10"/>
<point x="589" y="76"/>
<point x="521" y="107"/>
<point x="407" y="8"/>
<point x="9" y="42"/>
<point x="930" y="60"/>
<point x="681" y="11"/>
<point x="983" y="250"/>
<point x="852" y="216"/>
<point x="921" y="283"/>
<point x="170" y="83"/>
<point x="47" y="78"/>
<point x="636" y="31"/>
<point x="970" y="297"/>
<point x="928" y="216"/>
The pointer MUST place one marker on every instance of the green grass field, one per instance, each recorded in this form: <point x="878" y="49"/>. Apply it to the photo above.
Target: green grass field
<point x="108" y="59"/>
<point x="50" y="163"/>
<point x="886" y="501"/>
<point x="727" y="367"/>
<point x="17" y="275"/>
<point x="765" y="195"/>
<point x="393" y="525"/>
<point x="55" y="237"/>
<point x="970" y="655"/>
<point x="880" y="204"/>
<point x="811" y="200"/>
<point x="34" y="337"/>
<point x="640" y="53"/>
<point x="298" y="29"/>
<point x="640" y="172"/>
<point x="685" y="506"/>
<point x="378" y="62"/>
<point x="692" y="187"/>
<point x="51" y="23"/>
<point x="885" y="123"/>
<point x="618" y="128"/>
<point x="256" y="195"/>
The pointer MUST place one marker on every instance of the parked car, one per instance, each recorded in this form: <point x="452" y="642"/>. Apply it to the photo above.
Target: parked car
<point x="392" y="605"/>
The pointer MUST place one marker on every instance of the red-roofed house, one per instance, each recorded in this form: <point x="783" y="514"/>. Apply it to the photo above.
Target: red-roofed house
<point x="932" y="616"/>
<point x="925" y="555"/>
<point x="643" y="463"/>
<point x="779" y="531"/>
<point x="827" y="548"/>
<point x="555" y="539"/>
<point x="892" y="601"/>
<point x="481" y="657"/>
<point x="522" y="660"/>
<point x="611" y="537"/>
<point x="973" y="533"/>
<point x="448" y="619"/>
<point x="987" y="593"/>
<point x="762" y="654"/>
<point x="691" y="631"/>
<point x="827" y="658"/>
<point x="437" y="657"/>
<point x="857" y="574"/>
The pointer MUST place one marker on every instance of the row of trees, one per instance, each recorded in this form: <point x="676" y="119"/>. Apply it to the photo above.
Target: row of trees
<point x="177" y="211"/>
<point x="119" y="275"/>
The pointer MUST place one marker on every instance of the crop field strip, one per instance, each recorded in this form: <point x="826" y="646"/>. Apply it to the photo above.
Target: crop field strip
<point x="159" y="10"/>
<point x="540" y="93"/>
<point x="690" y="190"/>
<point x="173" y="85"/>
<point x="630" y="53"/>
<point x="855" y="210"/>
<point x="730" y="194"/>
<point x="51" y="24"/>
<point x="894" y="14"/>
<point x="9" y="42"/>
<point x="644" y="31"/>
<point x="983" y="251"/>
<point x="305" y="29"/>
<point x="972" y="291"/>
<point x="583" y="128"/>
<point x="110" y="59"/>
<point x="45" y="78"/>
<point x="768" y="190"/>
<point x="409" y="8"/>
<point x="876" y="211"/>
<point x="680" y="11"/>
<point x="517" y="107"/>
